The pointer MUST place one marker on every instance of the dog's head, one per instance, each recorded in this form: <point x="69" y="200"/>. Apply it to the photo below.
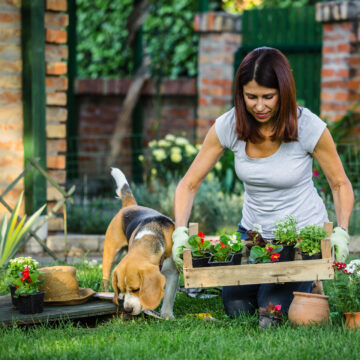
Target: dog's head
<point x="142" y="284"/>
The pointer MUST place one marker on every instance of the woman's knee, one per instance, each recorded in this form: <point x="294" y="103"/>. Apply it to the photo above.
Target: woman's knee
<point x="237" y="301"/>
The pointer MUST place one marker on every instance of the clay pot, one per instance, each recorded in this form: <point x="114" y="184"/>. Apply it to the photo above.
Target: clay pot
<point x="307" y="309"/>
<point x="352" y="320"/>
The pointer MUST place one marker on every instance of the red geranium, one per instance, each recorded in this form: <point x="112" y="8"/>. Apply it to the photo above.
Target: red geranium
<point x="274" y="257"/>
<point x="222" y="244"/>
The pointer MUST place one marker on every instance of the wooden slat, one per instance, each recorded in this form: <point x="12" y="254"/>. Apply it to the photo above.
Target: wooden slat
<point x="187" y="258"/>
<point x="309" y="270"/>
<point x="193" y="228"/>
<point x="8" y="315"/>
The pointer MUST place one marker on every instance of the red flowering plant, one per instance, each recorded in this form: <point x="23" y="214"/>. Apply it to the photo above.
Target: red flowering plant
<point x="199" y="246"/>
<point x="23" y="273"/>
<point x="269" y="253"/>
<point x="227" y="245"/>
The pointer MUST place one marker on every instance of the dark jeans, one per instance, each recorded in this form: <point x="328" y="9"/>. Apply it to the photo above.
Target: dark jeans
<point x="245" y="299"/>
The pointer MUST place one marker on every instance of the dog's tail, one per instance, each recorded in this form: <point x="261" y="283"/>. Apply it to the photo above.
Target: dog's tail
<point x="123" y="190"/>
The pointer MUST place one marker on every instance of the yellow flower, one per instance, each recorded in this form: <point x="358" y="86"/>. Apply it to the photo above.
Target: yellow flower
<point x="159" y="154"/>
<point x="181" y="141"/>
<point x="163" y="143"/>
<point x="152" y="143"/>
<point x="198" y="146"/>
<point x="218" y="166"/>
<point x="170" y="137"/>
<point x="175" y="150"/>
<point x="210" y="176"/>
<point x="153" y="171"/>
<point x="190" y="150"/>
<point x="141" y="158"/>
<point x="175" y="157"/>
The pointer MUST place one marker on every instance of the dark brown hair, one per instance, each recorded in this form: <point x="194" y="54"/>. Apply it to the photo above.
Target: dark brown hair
<point x="269" y="68"/>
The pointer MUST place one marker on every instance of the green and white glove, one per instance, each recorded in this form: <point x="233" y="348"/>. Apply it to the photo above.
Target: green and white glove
<point x="340" y="242"/>
<point x="180" y="238"/>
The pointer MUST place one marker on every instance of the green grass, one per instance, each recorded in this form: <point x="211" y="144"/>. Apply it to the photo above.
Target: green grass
<point x="183" y="338"/>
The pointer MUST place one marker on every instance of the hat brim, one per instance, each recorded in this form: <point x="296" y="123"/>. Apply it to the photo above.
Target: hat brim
<point x="84" y="296"/>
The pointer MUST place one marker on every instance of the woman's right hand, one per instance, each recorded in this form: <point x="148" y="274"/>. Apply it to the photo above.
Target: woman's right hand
<point x="180" y="238"/>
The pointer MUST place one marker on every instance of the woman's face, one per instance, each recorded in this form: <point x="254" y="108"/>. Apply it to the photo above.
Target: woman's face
<point x="261" y="102"/>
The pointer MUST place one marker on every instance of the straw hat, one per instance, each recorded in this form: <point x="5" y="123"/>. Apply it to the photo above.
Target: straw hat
<point x="61" y="286"/>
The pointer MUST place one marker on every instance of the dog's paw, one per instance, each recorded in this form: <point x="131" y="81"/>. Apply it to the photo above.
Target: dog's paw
<point x="167" y="316"/>
<point x="105" y="285"/>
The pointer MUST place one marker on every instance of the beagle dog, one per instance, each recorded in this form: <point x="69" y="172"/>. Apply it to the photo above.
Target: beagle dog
<point x="147" y="234"/>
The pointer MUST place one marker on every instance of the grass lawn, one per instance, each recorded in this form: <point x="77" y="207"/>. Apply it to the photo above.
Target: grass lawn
<point x="183" y="338"/>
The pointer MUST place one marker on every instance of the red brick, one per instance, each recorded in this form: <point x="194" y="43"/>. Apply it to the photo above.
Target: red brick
<point x="326" y="96"/>
<point x="10" y="98"/>
<point x="327" y="27"/>
<point x="56" y="83"/>
<point x="56" y="52"/>
<point x="56" y="98"/>
<point x="58" y="175"/>
<point x="11" y="66"/>
<point x="56" y="5"/>
<point x="56" y="114"/>
<point x="56" y="68"/>
<point x="202" y="101"/>
<point x="56" y="36"/>
<point x="56" y="19"/>
<point x="342" y="73"/>
<point x="327" y="72"/>
<point x="341" y="96"/>
<point x="354" y="61"/>
<point x="343" y="48"/>
<point x="9" y="18"/>
<point x="55" y="146"/>
<point x="56" y="162"/>
<point x="327" y="49"/>
<point x="354" y="84"/>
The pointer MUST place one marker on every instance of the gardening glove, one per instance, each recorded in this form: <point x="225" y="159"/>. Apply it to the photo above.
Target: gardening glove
<point x="340" y="242"/>
<point x="180" y="238"/>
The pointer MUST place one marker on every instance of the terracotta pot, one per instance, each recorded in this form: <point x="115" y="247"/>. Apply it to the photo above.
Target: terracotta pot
<point x="307" y="309"/>
<point x="352" y="320"/>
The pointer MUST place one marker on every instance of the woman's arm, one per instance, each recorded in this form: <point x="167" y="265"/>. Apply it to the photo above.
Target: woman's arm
<point x="209" y="154"/>
<point x="326" y="155"/>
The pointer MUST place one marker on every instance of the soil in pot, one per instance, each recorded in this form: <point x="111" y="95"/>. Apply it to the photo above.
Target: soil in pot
<point x="311" y="257"/>
<point x="235" y="259"/>
<point x="352" y="320"/>
<point x="307" y="309"/>
<point x="31" y="304"/>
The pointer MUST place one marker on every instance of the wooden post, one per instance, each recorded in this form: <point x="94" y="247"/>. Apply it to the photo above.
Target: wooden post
<point x="187" y="258"/>
<point x="193" y="228"/>
<point x="325" y="243"/>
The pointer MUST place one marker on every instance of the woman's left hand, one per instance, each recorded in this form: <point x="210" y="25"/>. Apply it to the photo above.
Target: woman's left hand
<point x="340" y="242"/>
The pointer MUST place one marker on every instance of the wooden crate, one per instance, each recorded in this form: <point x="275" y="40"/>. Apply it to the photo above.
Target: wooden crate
<point x="280" y="272"/>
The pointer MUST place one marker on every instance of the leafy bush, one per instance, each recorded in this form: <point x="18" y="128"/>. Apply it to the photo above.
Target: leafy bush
<point x="213" y="209"/>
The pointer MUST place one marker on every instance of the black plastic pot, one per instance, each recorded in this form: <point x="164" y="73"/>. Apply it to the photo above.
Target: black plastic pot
<point x="200" y="262"/>
<point x="268" y="320"/>
<point x="31" y="304"/>
<point x="14" y="300"/>
<point x="311" y="257"/>
<point x="235" y="259"/>
<point x="287" y="253"/>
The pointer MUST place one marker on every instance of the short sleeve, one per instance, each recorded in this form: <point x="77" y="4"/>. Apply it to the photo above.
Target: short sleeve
<point x="225" y="129"/>
<point x="310" y="129"/>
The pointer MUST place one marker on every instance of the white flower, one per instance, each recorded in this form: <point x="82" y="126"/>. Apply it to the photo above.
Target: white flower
<point x="353" y="266"/>
<point x="198" y="146"/>
<point x="257" y="228"/>
<point x="181" y="141"/>
<point x="152" y="143"/>
<point x="175" y="150"/>
<point x="170" y="137"/>
<point x="93" y="262"/>
<point x="175" y="157"/>
<point x="86" y="262"/>
<point x="210" y="176"/>
<point x="100" y="266"/>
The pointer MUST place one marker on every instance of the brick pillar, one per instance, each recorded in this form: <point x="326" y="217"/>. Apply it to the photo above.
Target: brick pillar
<point x="340" y="74"/>
<point x="11" y="124"/>
<point x="56" y="54"/>
<point x="220" y="37"/>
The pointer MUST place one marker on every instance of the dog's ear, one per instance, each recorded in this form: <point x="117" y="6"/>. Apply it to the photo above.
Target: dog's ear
<point x="152" y="287"/>
<point x="117" y="277"/>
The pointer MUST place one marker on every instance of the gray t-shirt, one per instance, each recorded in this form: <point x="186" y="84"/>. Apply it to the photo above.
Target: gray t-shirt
<point x="280" y="184"/>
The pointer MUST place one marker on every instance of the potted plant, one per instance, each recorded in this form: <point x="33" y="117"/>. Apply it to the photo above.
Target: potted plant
<point x="344" y="292"/>
<point x="22" y="276"/>
<point x="270" y="316"/>
<point x="200" y="249"/>
<point x="228" y="251"/>
<point x="309" y="241"/>
<point x="269" y="253"/>
<point x="287" y="235"/>
<point x="255" y="239"/>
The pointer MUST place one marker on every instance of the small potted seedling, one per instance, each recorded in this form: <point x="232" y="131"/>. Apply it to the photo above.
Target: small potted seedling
<point x="309" y="242"/>
<point x="200" y="249"/>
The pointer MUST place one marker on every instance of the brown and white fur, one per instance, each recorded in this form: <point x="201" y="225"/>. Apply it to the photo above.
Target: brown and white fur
<point x="147" y="234"/>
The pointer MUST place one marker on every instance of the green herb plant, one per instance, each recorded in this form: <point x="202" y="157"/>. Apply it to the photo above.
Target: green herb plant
<point x="310" y="238"/>
<point x="227" y="245"/>
<point x="199" y="246"/>
<point x="286" y="231"/>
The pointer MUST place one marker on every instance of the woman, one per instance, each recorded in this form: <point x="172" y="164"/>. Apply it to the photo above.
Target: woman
<point x="274" y="142"/>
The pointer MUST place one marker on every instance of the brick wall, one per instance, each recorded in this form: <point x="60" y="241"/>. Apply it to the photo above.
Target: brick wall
<point x="340" y="75"/>
<point x="219" y="39"/>
<point x="99" y="104"/>
<point x="11" y="125"/>
<point x="56" y="54"/>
